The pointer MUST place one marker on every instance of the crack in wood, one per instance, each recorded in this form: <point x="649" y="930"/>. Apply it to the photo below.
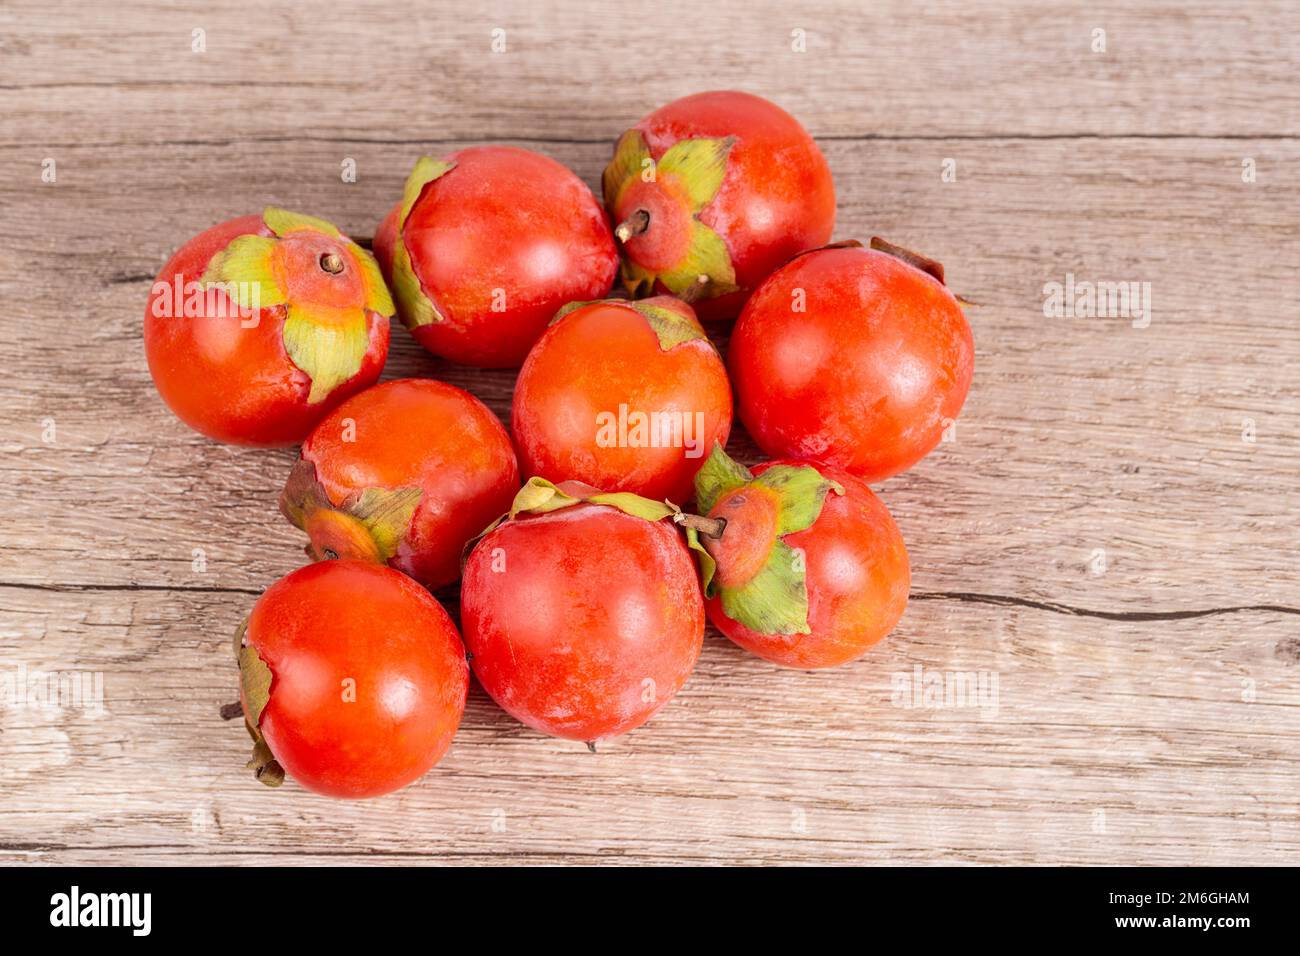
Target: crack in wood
<point x="1006" y="600"/>
<point x="965" y="597"/>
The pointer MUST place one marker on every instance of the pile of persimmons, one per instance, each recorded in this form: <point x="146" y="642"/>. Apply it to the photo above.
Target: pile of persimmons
<point x="593" y="539"/>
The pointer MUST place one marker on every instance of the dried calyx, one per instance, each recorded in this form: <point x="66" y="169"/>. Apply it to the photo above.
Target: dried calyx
<point x="369" y="525"/>
<point x="255" y="691"/>
<point x="416" y="306"/>
<point x="539" y="496"/>
<point x="927" y="265"/>
<point x="671" y="323"/>
<point x="924" y="263"/>
<point x="931" y="267"/>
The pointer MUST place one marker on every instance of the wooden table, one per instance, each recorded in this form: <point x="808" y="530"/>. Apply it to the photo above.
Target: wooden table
<point x="1111" y="535"/>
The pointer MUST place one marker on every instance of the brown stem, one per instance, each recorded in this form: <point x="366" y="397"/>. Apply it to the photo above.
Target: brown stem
<point x="332" y="263"/>
<point x="693" y="292"/>
<point x="633" y="225"/>
<point x="231" y="711"/>
<point x="709" y="527"/>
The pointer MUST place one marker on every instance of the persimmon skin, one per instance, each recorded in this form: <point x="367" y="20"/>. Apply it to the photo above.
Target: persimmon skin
<point x="866" y="376"/>
<point x="350" y="628"/>
<point x="236" y="384"/>
<point x="857" y="577"/>
<point x="776" y="200"/>
<point x="499" y="244"/>
<point x="427" y="434"/>
<point x="582" y="623"/>
<point x="603" y="356"/>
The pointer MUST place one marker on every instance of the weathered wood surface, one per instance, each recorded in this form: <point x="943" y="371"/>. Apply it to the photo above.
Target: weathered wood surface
<point x="1099" y="536"/>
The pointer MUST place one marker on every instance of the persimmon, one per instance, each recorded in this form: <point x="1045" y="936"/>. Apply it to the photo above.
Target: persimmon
<point x="811" y="569"/>
<point x="352" y="679"/>
<point x="582" y="610"/>
<point x="403" y="474"/>
<point x="712" y="193"/>
<point x="258" y="327"/>
<point x="486" y="244"/>
<point x="625" y="396"/>
<point x="856" y="357"/>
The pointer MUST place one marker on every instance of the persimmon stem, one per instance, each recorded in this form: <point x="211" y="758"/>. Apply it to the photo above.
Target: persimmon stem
<point x="633" y="225"/>
<point x="709" y="527"/>
<point x="231" y="711"/>
<point x="695" y="291"/>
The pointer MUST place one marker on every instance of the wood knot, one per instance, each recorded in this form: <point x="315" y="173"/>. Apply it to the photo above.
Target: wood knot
<point x="1288" y="650"/>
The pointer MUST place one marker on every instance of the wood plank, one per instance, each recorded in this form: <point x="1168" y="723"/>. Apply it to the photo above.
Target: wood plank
<point x="1111" y="742"/>
<point x="396" y="73"/>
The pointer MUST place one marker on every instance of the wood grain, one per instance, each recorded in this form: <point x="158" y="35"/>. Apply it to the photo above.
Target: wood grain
<point x="1099" y="536"/>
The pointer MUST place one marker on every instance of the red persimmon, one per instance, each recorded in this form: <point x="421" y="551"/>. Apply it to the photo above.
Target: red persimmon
<point x="625" y="396"/>
<point x="811" y="569"/>
<point x="352" y="678"/>
<point x="853" y="357"/>
<point x="712" y="193"/>
<point x="260" y="326"/>
<point x="582" y="611"/>
<point x="404" y="473"/>
<point x="486" y="245"/>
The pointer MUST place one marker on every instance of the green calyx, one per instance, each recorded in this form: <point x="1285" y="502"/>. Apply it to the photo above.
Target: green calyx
<point x="369" y="525"/>
<point x="413" y="303"/>
<point x="671" y="327"/>
<point x="247" y="268"/>
<point x="330" y="354"/>
<point x="784" y="499"/>
<point x="691" y="171"/>
<point x="539" y="496"/>
<point x="325" y="282"/>
<point x="255" y="685"/>
<point x="282" y="222"/>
